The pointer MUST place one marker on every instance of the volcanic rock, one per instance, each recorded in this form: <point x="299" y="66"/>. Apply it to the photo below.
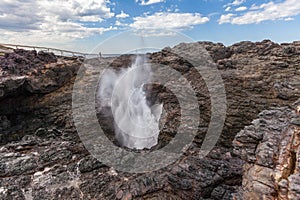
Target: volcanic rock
<point x="270" y="147"/>
<point x="42" y="156"/>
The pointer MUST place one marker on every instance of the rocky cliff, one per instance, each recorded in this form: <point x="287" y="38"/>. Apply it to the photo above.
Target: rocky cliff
<point x="270" y="147"/>
<point x="42" y="156"/>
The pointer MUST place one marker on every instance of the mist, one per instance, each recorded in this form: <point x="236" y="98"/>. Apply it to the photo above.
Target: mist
<point x="136" y="123"/>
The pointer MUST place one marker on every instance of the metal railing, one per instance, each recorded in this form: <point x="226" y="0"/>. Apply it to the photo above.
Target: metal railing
<point x="56" y="51"/>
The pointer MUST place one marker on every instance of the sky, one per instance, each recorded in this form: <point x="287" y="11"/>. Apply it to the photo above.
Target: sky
<point x="112" y="26"/>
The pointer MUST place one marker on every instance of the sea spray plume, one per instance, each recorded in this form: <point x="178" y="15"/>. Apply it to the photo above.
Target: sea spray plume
<point x="136" y="124"/>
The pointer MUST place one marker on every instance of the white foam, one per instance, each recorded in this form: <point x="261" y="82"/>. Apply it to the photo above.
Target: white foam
<point x="136" y="123"/>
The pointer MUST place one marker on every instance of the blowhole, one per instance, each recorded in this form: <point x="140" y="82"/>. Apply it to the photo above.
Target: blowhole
<point x="139" y="119"/>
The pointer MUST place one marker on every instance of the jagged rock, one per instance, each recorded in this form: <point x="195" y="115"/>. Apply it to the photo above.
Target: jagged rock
<point x="28" y="71"/>
<point x="272" y="168"/>
<point x="42" y="156"/>
<point x="217" y="51"/>
<point x="88" y="164"/>
<point x="21" y="61"/>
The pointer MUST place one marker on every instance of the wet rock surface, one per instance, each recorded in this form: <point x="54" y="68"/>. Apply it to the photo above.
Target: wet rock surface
<point x="42" y="156"/>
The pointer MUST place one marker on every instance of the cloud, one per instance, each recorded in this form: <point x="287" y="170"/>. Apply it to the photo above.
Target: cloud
<point x="118" y="23"/>
<point x="228" y="9"/>
<point x="254" y="7"/>
<point x="242" y="8"/>
<point x="122" y="15"/>
<point x="226" y="18"/>
<point x="288" y="19"/>
<point x="235" y="3"/>
<point x="238" y="2"/>
<point x="149" y="2"/>
<point x="18" y="16"/>
<point x="75" y="9"/>
<point x="44" y="19"/>
<point x="160" y="21"/>
<point x="265" y="12"/>
<point x="60" y="39"/>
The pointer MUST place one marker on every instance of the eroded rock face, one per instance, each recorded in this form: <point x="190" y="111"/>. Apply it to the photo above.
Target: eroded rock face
<point x="31" y="72"/>
<point x="270" y="146"/>
<point x="256" y="76"/>
<point x="27" y="81"/>
<point x="42" y="156"/>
